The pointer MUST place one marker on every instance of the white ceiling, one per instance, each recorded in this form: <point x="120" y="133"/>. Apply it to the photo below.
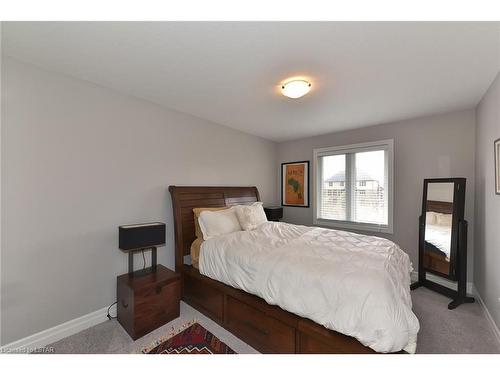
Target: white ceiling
<point x="229" y="72"/>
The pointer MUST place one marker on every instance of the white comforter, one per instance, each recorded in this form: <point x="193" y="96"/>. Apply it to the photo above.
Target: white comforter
<point x="439" y="236"/>
<point x="354" y="284"/>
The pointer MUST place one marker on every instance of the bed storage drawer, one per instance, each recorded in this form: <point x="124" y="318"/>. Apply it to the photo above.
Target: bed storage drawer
<point x="315" y="339"/>
<point x="204" y="297"/>
<point x="259" y="330"/>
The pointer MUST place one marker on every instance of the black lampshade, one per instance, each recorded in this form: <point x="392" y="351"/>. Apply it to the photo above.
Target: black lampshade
<point x="274" y="213"/>
<point x="141" y="236"/>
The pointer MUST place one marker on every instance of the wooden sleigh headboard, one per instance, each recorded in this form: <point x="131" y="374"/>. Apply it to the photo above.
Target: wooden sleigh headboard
<point x="185" y="198"/>
<point x="440" y="207"/>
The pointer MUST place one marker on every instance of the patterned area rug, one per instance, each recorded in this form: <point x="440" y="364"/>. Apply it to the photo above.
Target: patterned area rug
<point x="193" y="340"/>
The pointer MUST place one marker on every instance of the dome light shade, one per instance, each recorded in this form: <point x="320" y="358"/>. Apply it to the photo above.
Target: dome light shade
<point x="295" y="89"/>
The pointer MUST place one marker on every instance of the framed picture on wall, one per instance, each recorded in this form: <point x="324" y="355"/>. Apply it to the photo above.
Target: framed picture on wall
<point x="497" y="166"/>
<point x="295" y="184"/>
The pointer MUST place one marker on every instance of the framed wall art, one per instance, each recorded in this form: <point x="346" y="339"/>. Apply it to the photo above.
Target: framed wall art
<point x="295" y="184"/>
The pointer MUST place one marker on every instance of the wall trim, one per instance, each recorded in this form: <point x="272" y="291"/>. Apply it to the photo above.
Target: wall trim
<point x="51" y="335"/>
<point x="495" y="328"/>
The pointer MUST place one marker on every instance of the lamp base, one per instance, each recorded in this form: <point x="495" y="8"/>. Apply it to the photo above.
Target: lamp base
<point x="131" y="258"/>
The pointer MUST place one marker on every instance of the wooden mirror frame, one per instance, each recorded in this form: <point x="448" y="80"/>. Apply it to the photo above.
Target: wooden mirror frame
<point x="457" y="210"/>
<point x="458" y="249"/>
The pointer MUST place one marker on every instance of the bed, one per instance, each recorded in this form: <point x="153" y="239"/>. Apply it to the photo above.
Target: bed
<point x="263" y="325"/>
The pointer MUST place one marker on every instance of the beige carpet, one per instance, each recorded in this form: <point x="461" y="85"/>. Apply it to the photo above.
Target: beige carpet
<point x="464" y="330"/>
<point x="461" y="331"/>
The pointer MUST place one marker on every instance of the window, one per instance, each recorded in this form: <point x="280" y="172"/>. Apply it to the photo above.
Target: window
<point x="353" y="186"/>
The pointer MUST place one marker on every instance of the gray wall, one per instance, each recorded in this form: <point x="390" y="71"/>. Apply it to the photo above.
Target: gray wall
<point x="435" y="146"/>
<point x="77" y="161"/>
<point x="487" y="240"/>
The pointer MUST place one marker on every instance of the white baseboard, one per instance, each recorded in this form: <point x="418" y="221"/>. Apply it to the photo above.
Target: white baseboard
<point x="51" y="335"/>
<point x="494" y="326"/>
<point x="444" y="282"/>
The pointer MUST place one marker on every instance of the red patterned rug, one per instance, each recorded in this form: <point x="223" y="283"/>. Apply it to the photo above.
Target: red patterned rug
<point x="193" y="340"/>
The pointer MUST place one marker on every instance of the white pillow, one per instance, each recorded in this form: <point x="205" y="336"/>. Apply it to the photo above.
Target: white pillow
<point x="216" y="223"/>
<point x="430" y="218"/>
<point x="251" y="216"/>
<point x="444" y="220"/>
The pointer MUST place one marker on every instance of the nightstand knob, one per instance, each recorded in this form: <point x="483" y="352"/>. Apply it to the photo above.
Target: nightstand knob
<point x="125" y="305"/>
<point x="158" y="289"/>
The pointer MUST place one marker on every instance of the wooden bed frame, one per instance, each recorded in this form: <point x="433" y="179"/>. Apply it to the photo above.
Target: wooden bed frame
<point x="265" y="327"/>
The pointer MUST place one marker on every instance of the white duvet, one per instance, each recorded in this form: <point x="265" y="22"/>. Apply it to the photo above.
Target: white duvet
<point x="439" y="236"/>
<point x="354" y="284"/>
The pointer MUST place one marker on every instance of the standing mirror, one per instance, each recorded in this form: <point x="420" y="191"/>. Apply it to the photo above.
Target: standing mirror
<point x="440" y="235"/>
<point x="443" y="237"/>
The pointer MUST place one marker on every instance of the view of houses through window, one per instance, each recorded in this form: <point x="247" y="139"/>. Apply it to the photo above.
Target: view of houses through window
<point x="353" y="187"/>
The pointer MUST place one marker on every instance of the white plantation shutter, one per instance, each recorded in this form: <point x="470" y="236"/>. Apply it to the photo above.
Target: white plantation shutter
<point x="333" y="191"/>
<point x="369" y="186"/>
<point x="354" y="186"/>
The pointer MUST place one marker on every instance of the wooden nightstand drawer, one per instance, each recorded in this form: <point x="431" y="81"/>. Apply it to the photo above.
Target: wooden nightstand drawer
<point x="147" y="300"/>
<point x="156" y="306"/>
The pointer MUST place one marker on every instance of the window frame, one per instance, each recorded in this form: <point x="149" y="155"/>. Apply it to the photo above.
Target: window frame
<point x="387" y="144"/>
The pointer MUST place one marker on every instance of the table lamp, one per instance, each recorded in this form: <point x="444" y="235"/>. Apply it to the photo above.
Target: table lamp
<point x="140" y="237"/>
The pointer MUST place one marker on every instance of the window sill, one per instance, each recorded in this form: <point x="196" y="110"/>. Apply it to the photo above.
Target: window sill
<point x="352" y="225"/>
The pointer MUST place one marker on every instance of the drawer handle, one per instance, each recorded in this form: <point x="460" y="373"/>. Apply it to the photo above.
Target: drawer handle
<point x="259" y="330"/>
<point x="158" y="289"/>
<point x="125" y="305"/>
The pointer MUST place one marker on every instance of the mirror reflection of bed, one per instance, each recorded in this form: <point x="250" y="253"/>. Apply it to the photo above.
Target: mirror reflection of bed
<point x="438" y="236"/>
<point x="438" y="227"/>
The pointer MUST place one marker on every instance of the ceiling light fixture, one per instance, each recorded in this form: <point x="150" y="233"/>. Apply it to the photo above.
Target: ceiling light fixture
<point x="295" y="89"/>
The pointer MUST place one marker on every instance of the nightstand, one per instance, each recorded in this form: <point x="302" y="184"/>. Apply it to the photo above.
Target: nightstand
<point x="148" y="299"/>
<point x="274" y="213"/>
